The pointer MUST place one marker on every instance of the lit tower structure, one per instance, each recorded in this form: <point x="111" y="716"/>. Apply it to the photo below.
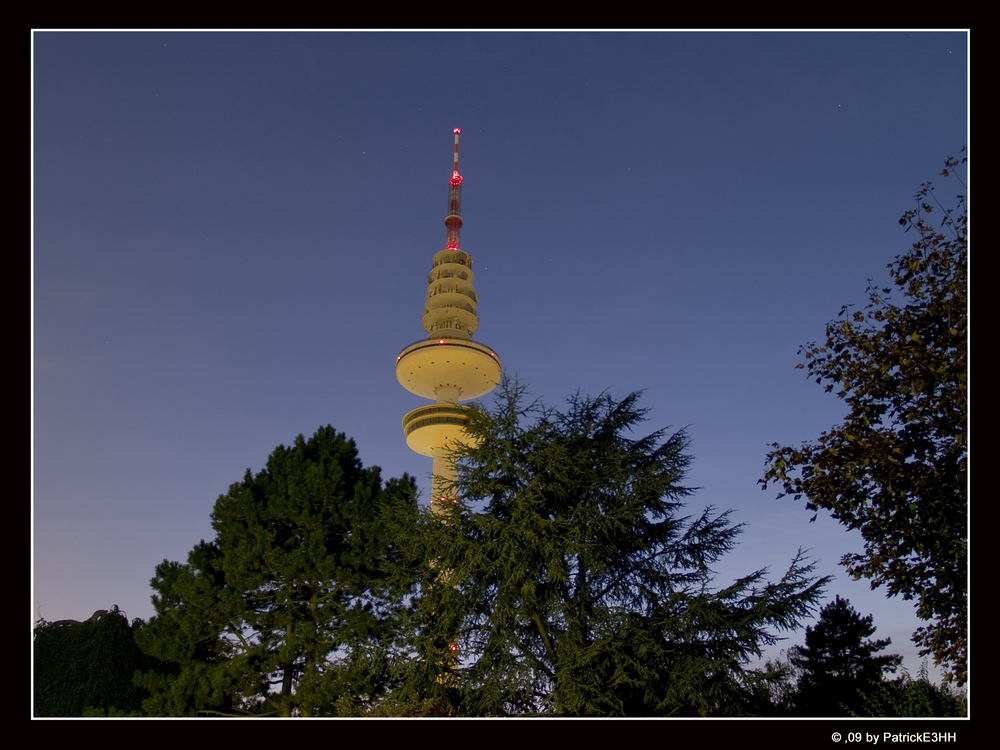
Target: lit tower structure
<point x="448" y="366"/>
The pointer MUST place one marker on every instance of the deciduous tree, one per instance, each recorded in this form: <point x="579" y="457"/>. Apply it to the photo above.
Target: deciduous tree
<point x="907" y="697"/>
<point x="896" y="468"/>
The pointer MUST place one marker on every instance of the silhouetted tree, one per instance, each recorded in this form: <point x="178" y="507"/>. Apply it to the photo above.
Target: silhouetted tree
<point x="896" y="468"/>
<point x="906" y="696"/>
<point x="87" y="665"/>
<point x="838" y="660"/>
<point x="780" y="687"/>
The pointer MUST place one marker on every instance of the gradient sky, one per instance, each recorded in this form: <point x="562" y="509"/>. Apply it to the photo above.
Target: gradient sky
<point x="232" y="233"/>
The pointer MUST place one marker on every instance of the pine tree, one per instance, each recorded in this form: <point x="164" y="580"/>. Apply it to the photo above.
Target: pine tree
<point x="838" y="661"/>
<point x="288" y="609"/>
<point x="576" y="586"/>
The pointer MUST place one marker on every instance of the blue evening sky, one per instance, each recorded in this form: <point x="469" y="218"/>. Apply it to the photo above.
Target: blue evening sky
<point x="232" y="233"/>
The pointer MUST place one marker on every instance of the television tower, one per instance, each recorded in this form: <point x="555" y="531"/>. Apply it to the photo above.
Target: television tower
<point x="448" y="366"/>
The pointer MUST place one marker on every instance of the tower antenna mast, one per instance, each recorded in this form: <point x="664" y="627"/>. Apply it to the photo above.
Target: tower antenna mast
<point x="454" y="219"/>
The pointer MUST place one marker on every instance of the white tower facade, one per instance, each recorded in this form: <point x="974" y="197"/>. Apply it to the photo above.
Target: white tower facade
<point x="447" y="367"/>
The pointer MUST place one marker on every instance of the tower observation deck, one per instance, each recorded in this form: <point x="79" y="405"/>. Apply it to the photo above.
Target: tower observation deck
<point x="448" y="366"/>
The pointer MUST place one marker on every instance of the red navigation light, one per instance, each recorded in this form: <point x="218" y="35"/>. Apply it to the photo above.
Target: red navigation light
<point x="457" y="130"/>
<point x="440" y="341"/>
<point x="454" y="647"/>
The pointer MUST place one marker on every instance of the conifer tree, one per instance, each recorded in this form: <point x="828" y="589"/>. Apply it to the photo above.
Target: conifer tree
<point x="287" y="609"/>
<point x="838" y="663"/>
<point x="577" y="586"/>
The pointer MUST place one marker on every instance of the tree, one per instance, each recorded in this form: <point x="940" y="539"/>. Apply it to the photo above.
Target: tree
<point x="572" y="583"/>
<point x="80" y="666"/>
<point x="288" y="609"/>
<point x="838" y="661"/>
<point x="907" y="697"/>
<point x="782" y="684"/>
<point x="896" y="468"/>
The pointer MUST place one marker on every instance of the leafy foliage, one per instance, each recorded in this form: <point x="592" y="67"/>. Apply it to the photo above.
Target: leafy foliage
<point x="572" y="582"/>
<point x="896" y="468"/>
<point x="908" y="697"/>
<point x="87" y="667"/>
<point x="838" y="660"/>
<point x="288" y="608"/>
